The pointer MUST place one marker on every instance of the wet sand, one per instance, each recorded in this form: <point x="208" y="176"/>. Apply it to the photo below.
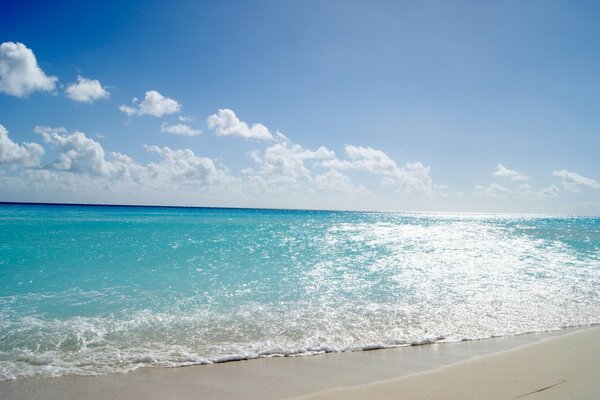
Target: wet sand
<point x="537" y="366"/>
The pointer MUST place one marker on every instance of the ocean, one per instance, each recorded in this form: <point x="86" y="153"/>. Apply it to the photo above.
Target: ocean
<point x="92" y="290"/>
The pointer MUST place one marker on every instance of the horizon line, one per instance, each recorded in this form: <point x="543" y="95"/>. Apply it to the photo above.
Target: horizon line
<point x="63" y="204"/>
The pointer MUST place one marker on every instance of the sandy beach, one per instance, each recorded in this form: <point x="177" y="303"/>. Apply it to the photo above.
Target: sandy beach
<point x="549" y="366"/>
<point x="564" y="367"/>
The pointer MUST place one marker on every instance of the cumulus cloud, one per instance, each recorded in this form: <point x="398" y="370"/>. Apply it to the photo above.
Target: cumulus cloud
<point x="76" y="152"/>
<point x="285" y="161"/>
<point x="492" y="190"/>
<point x="370" y="159"/>
<point x="86" y="90"/>
<point x="183" y="166"/>
<point x="20" y="74"/>
<point x="573" y="181"/>
<point x="80" y="154"/>
<point x="287" y="170"/>
<point x="502" y="171"/>
<point x="27" y="155"/>
<point x="154" y="104"/>
<point x="413" y="177"/>
<point x="334" y="180"/>
<point x="124" y="168"/>
<point x="226" y="123"/>
<point x="180" y="129"/>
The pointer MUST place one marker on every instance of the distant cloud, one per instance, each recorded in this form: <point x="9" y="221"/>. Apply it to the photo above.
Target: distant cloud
<point x="128" y="110"/>
<point x="573" y="181"/>
<point x="502" y="171"/>
<point x="334" y="180"/>
<point x="86" y="90"/>
<point x="20" y="74"/>
<point x="492" y="190"/>
<point x="550" y="191"/>
<point x="154" y="104"/>
<point x="180" y="129"/>
<point x="27" y="155"/>
<point x="81" y="155"/>
<point x="522" y="191"/>
<point x="183" y="166"/>
<point x="412" y="177"/>
<point x="285" y="161"/>
<point x="76" y="152"/>
<point x="524" y="186"/>
<point x="226" y="123"/>
<point x="370" y="159"/>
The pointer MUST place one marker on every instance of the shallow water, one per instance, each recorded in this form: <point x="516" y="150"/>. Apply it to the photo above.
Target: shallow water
<point x="92" y="290"/>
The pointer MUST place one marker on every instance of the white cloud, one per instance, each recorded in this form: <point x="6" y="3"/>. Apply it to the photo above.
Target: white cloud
<point x="573" y="181"/>
<point x="226" y="123"/>
<point x="183" y="166"/>
<point x="26" y="155"/>
<point x="157" y="105"/>
<point x="20" y="74"/>
<point x="128" y="110"/>
<point x="123" y="167"/>
<point x="47" y="183"/>
<point x="413" y="177"/>
<point x="522" y="191"/>
<point x="550" y="191"/>
<point x="492" y="190"/>
<point x="187" y="118"/>
<point x="502" y="171"/>
<point x="334" y="180"/>
<point x="77" y="152"/>
<point x="370" y="159"/>
<point x="285" y="161"/>
<point x="154" y="104"/>
<point x="86" y="90"/>
<point x="180" y="129"/>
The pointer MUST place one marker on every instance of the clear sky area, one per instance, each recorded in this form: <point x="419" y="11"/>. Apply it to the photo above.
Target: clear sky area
<point x="363" y="105"/>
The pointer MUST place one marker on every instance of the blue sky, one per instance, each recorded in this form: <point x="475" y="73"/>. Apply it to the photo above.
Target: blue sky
<point x="425" y="106"/>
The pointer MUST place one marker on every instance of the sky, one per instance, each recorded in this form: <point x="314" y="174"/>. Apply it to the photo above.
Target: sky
<point x="362" y="105"/>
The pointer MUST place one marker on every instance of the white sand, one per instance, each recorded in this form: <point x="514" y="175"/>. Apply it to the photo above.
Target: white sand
<point x="565" y="367"/>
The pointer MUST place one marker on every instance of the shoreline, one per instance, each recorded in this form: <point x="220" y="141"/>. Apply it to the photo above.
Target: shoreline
<point x="554" y="368"/>
<point x="326" y="376"/>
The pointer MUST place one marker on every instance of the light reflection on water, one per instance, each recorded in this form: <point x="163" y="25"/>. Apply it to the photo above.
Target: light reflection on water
<point x="90" y="290"/>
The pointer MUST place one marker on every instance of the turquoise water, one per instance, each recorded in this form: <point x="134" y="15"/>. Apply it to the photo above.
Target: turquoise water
<point x="93" y="290"/>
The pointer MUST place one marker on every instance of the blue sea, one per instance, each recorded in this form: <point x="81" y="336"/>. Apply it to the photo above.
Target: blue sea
<point x="91" y="290"/>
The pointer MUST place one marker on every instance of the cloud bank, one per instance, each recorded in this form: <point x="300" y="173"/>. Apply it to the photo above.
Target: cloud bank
<point x="72" y="162"/>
